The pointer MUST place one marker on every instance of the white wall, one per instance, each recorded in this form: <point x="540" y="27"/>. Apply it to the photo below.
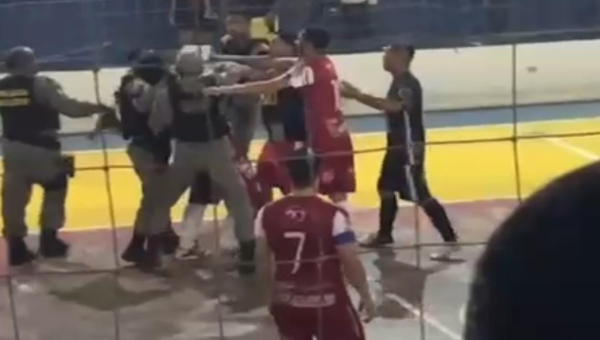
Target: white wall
<point x="452" y="78"/>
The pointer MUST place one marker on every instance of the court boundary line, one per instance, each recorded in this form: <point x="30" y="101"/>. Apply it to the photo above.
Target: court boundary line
<point x="378" y="133"/>
<point x="579" y="151"/>
<point x="433" y="322"/>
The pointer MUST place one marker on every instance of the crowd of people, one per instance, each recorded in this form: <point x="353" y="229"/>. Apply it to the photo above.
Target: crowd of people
<point x="189" y="127"/>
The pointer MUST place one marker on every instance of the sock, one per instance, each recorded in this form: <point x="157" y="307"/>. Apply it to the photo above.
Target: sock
<point x="387" y="215"/>
<point x="190" y="227"/>
<point x="439" y="218"/>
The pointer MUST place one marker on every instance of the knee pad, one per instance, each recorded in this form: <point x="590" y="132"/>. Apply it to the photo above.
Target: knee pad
<point x="60" y="182"/>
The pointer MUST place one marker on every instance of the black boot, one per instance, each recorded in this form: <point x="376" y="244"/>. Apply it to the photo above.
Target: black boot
<point x="135" y="252"/>
<point x="18" y="253"/>
<point x="247" y="265"/>
<point x="51" y="246"/>
<point x="170" y="241"/>
<point x="153" y="255"/>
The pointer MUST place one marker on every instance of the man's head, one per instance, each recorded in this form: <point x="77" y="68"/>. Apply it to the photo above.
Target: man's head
<point x="261" y="47"/>
<point x="284" y="45"/>
<point x="134" y="55"/>
<point x="538" y="277"/>
<point x="397" y="58"/>
<point x="21" y="60"/>
<point x="189" y="61"/>
<point x="313" y="42"/>
<point x="238" y="25"/>
<point x="150" y="67"/>
<point x="303" y="169"/>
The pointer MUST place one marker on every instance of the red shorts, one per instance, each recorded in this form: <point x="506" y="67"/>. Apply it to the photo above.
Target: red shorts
<point x="337" y="166"/>
<point x="338" y="322"/>
<point x="271" y="169"/>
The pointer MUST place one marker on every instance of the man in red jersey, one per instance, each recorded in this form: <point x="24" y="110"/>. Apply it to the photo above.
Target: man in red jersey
<point x="283" y="119"/>
<point x="312" y="245"/>
<point x="315" y="75"/>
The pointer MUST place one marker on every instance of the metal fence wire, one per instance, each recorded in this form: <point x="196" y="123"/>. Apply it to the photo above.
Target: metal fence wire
<point x="92" y="55"/>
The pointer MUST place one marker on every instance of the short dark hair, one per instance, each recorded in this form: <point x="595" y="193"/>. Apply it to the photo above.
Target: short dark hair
<point x="318" y="37"/>
<point x="240" y="14"/>
<point x="537" y="279"/>
<point x="288" y="38"/>
<point x="408" y="48"/>
<point x="303" y="167"/>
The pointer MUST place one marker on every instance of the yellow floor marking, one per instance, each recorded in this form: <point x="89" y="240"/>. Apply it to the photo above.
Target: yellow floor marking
<point x="456" y="172"/>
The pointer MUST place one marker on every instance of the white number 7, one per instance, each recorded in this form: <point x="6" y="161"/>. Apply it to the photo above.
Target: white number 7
<point x="301" y="238"/>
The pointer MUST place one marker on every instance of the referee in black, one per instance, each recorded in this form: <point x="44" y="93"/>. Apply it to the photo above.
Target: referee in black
<point x="403" y="171"/>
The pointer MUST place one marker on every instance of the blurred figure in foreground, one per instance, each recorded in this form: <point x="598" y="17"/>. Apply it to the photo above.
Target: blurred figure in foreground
<point x="536" y="279"/>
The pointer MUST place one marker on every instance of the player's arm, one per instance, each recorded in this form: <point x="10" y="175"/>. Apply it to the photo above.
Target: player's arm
<point x="264" y="257"/>
<point x="258" y="87"/>
<point x="259" y="61"/>
<point x="347" y="250"/>
<point x="382" y="104"/>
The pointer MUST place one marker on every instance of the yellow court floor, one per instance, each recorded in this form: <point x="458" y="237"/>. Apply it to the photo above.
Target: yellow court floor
<point x="456" y="172"/>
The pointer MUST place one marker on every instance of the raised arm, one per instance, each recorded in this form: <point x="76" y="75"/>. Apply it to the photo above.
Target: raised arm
<point x="260" y="61"/>
<point x="258" y="87"/>
<point x="379" y="103"/>
<point x="49" y="92"/>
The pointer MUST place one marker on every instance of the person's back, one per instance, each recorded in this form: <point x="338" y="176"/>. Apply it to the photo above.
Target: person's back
<point x="313" y="247"/>
<point x="302" y="232"/>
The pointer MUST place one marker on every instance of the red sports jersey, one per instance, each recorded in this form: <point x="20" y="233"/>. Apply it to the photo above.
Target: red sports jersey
<point x="303" y="233"/>
<point x="327" y="132"/>
<point x="318" y="81"/>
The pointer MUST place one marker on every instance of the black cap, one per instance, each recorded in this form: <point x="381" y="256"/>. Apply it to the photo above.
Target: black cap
<point x="408" y="48"/>
<point x="19" y="56"/>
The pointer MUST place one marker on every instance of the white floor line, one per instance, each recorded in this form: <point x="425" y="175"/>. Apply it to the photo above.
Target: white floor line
<point x="574" y="149"/>
<point x="428" y="318"/>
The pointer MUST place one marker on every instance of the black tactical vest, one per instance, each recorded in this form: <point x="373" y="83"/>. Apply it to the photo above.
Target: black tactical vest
<point x="23" y="119"/>
<point x="134" y="125"/>
<point x="201" y="125"/>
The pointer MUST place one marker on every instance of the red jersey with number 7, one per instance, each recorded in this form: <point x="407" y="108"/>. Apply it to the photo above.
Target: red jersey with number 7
<point x="303" y="233"/>
<point x="318" y="82"/>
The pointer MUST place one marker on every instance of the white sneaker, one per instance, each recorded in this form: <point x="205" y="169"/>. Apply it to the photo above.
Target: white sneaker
<point x="447" y="253"/>
<point x="191" y="253"/>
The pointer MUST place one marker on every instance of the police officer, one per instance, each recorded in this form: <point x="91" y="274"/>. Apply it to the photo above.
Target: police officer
<point x="149" y="153"/>
<point x="30" y="106"/>
<point x="403" y="169"/>
<point x="202" y="144"/>
<point x="243" y="111"/>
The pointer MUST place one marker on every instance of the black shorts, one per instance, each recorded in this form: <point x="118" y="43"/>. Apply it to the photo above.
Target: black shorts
<point x="407" y="180"/>
<point x="203" y="190"/>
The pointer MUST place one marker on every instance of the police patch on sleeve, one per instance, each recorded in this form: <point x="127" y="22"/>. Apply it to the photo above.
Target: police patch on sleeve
<point x="405" y="94"/>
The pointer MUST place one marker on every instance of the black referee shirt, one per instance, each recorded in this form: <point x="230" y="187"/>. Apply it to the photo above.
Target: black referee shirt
<point x="405" y="128"/>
